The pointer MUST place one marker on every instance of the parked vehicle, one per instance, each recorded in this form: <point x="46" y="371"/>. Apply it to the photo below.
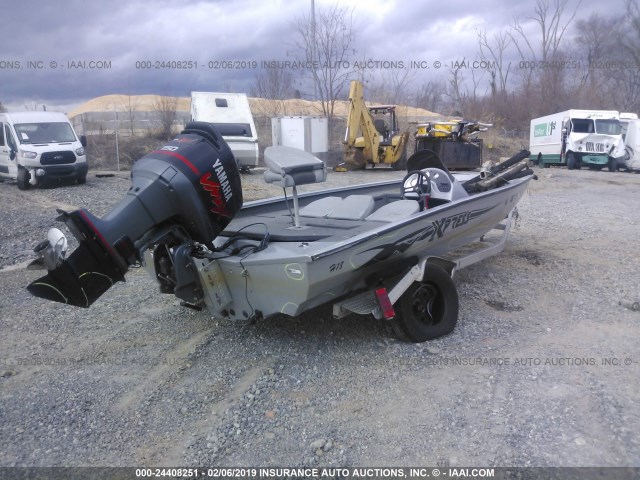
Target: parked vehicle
<point x="40" y="147"/>
<point x="631" y="137"/>
<point x="231" y="114"/>
<point x="577" y="138"/>
<point x="380" y="248"/>
<point x="373" y="135"/>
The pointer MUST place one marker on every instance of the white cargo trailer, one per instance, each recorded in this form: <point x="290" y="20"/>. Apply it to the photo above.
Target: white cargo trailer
<point x="308" y="133"/>
<point x="577" y="137"/>
<point x="231" y="114"/>
<point x="631" y="137"/>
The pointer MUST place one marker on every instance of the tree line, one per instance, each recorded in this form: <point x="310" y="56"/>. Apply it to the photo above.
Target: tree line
<point x="570" y="62"/>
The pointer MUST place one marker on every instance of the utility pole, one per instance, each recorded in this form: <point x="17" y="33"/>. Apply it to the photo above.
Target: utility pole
<point x="115" y="122"/>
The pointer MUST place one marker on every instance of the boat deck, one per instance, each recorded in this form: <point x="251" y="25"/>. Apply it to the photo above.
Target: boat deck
<point x="281" y="229"/>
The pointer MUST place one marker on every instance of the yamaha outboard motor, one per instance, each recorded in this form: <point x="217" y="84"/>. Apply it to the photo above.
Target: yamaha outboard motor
<point x="185" y="192"/>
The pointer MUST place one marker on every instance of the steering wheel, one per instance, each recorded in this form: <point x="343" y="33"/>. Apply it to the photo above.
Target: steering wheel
<point x="416" y="185"/>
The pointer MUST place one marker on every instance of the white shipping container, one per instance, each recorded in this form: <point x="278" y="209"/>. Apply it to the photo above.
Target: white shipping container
<point x="307" y="133"/>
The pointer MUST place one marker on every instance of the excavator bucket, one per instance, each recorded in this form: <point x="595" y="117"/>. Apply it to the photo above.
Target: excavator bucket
<point x="355" y="159"/>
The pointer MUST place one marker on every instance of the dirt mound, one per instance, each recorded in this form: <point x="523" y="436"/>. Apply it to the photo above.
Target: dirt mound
<point x="259" y="106"/>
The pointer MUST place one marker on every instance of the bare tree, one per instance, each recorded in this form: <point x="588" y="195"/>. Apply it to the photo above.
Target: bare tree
<point x="632" y="43"/>
<point x="456" y="90"/>
<point x="389" y="86"/>
<point x="493" y="54"/>
<point x="325" y="45"/>
<point x="397" y="81"/>
<point x="542" y="65"/>
<point x="597" y="43"/>
<point x="628" y="78"/>
<point x="275" y="85"/>
<point x="165" y="109"/>
<point x="130" y="107"/>
<point x="552" y="28"/>
<point x="429" y="96"/>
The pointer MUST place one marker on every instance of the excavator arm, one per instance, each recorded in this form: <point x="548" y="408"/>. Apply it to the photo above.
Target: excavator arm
<point x="358" y="150"/>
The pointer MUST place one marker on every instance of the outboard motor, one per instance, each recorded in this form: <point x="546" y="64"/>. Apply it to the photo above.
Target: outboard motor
<point x="185" y="192"/>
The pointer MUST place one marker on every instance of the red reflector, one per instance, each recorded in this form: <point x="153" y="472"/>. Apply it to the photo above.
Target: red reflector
<point x="385" y="303"/>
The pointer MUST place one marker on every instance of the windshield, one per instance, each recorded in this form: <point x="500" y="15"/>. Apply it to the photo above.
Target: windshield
<point x="582" y="125"/>
<point x="57" y="132"/>
<point x="234" y="129"/>
<point x="608" y="127"/>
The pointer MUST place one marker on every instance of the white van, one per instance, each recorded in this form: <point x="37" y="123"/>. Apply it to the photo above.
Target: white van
<point x="231" y="114"/>
<point x="40" y="147"/>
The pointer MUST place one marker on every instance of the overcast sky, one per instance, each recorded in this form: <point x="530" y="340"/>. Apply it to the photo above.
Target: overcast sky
<point x="44" y="42"/>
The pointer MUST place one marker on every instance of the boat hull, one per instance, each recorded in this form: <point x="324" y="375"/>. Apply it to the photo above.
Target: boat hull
<point x="290" y="277"/>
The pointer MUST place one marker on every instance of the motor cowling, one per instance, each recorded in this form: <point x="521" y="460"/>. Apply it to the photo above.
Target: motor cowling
<point x="187" y="190"/>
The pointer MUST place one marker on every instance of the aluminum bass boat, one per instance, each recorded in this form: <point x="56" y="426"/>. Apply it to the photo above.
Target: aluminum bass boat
<point x="381" y="248"/>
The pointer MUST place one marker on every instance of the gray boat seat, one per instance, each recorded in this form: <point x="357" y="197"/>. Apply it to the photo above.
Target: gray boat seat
<point x="321" y="208"/>
<point x="353" y="207"/>
<point x="289" y="167"/>
<point x="394" y="211"/>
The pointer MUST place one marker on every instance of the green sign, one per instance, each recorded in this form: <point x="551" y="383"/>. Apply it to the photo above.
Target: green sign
<point x="540" y="130"/>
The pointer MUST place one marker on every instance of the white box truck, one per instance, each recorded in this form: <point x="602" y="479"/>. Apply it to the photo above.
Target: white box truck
<point x="631" y="137"/>
<point x="577" y="138"/>
<point x="231" y="114"/>
<point x="40" y="147"/>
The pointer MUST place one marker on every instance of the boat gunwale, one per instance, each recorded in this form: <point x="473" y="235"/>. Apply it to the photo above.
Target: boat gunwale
<point x="382" y="228"/>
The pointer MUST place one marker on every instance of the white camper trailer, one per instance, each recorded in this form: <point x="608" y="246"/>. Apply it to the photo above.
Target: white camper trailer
<point x="577" y="138"/>
<point x="231" y="115"/>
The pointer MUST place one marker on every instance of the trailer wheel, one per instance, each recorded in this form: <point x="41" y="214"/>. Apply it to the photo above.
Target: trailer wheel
<point x="23" y="178"/>
<point x="571" y="161"/>
<point x="428" y="309"/>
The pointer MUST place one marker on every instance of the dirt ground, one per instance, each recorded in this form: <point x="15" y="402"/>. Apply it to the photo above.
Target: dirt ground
<point x="542" y="369"/>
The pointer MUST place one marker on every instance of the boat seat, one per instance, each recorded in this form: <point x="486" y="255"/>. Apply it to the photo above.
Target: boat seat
<point x="321" y="208"/>
<point x="353" y="207"/>
<point x="394" y="211"/>
<point x="289" y="167"/>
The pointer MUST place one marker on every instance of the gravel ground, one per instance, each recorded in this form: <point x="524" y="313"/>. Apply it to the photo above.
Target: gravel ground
<point x="541" y="370"/>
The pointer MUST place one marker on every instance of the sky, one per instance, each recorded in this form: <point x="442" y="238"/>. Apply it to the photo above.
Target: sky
<point x="62" y="53"/>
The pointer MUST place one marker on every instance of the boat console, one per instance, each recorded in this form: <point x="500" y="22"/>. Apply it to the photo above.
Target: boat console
<point x="290" y="167"/>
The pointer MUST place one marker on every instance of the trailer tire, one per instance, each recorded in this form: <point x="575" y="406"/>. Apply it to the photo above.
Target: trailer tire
<point x="571" y="161"/>
<point x="428" y="309"/>
<point x="23" y="178"/>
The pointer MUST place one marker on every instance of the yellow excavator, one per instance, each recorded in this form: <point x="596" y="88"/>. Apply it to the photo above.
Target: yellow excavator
<point x="373" y="136"/>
